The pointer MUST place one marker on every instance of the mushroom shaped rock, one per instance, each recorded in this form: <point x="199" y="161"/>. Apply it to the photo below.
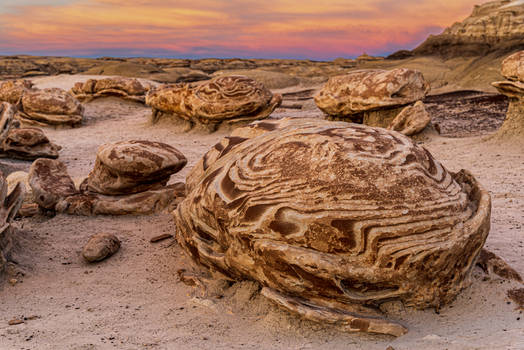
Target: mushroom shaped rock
<point x="29" y="144"/>
<point x="411" y="120"/>
<point x="133" y="166"/>
<point x="50" y="107"/>
<point x="12" y="90"/>
<point x="227" y="99"/>
<point x="513" y="67"/>
<point x="371" y="96"/>
<point x="335" y="218"/>
<point x="513" y="70"/>
<point x="50" y="182"/>
<point x="10" y="203"/>
<point x="127" y="88"/>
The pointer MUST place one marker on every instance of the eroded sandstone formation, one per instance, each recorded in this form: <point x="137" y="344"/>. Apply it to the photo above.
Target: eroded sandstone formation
<point x="126" y="88"/>
<point x="334" y="219"/>
<point x="22" y="143"/>
<point x="11" y="202"/>
<point x="228" y="99"/>
<point x="11" y="91"/>
<point x="496" y="26"/>
<point x="50" y="107"/>
<point x="129" y="177"/>
<point x="513" y="87"/>
<point x="376" y="97"/>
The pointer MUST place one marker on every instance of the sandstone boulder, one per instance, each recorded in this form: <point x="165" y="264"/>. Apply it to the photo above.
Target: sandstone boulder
<point x="50" y="182"/>
<point x="333" y="219"/>
<point x="128" y="178"/>
<point x="411" y="120"/>
<point x="126" y="88"/>
<point x="370" y="89"/>
<point x="227" y="99"/>
<point x="100" y="246"/>
<point x="133" y="166"/>
<point x="50" y="107"/>
<point x="28" y="144"/>
<point x="11" y="91"/>
<point x="513" y="67"/>
<point x="22" y="143"/>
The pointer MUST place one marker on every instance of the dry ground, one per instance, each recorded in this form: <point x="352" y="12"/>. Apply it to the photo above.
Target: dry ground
<point x="134" y="299"/>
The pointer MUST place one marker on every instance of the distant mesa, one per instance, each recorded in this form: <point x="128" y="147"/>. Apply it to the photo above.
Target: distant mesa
<point x="493" y="26"/>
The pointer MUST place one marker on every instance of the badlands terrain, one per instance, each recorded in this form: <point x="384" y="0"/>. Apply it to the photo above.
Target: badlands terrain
<point x="136" y="300"/>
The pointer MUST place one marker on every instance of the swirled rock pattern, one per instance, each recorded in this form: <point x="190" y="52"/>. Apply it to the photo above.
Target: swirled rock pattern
<point x="129" y="177"/>
<point x="50" y="107"/>
<point x="11" y="91"/>
<point x="126" y="88"/>
<point x="133" y="166"/>
<point x="22" y="143"/>
<point x="224" y="99"/>
<point x="371" y="89"/>
<point x="337" y="215"/>
<point x="10" y="203"/>
<point x="513" y="70"/>
<point x="373" y="97"/>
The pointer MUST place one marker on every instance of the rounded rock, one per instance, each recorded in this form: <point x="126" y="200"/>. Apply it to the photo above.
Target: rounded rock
<point x="133" y="166"/>
<point x="332" y="212"/>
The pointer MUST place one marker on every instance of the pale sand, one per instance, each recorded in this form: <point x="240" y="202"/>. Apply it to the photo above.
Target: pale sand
<point x="134" y="300"/>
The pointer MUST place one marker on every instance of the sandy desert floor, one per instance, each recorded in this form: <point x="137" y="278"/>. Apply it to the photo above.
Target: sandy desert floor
<point x="134" y="300"/>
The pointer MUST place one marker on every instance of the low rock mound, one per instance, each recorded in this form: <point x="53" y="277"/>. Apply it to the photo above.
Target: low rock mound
<point x="334" y="218"/>
<point x="126" y="88"/>
<point x="229" y="99"/>
<point x="129" y="177"/>
<point x="50" y="107"/>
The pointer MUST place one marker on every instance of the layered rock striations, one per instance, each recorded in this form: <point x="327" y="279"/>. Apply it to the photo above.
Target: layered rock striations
<point x="493" y="26"/>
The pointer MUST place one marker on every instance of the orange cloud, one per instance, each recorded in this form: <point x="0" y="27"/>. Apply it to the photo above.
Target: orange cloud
<point x="291" y="28"/>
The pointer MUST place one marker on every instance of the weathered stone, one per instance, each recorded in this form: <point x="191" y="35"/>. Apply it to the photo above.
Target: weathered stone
<point x="411" y="120"/>
<point x="349" y="95"/>
<point x="336" y="215"/>
<point x="50" y="107"/>
<point x="141" y="203"/>
<point x="11" y="91"/>
<point x="224" y="99"/>
<point x="133" y="166"/>
<point x="10" y="203"/>
<point x="513" y="69"/>
<point x="126" y="88"/>
<point x="50" y="182"/>
<point x="28" y="143"/>
<point x="100" y="246"/>
<point x="7" y="114"/>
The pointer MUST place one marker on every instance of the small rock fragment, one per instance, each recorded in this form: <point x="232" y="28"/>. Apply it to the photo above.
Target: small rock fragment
<point x="100" y="246"/>
<point x="160" y="237"/>
<point x="15" y="322"/>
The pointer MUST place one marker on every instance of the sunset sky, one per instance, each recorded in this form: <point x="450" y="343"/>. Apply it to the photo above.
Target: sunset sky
<point x="313" y="29"/>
